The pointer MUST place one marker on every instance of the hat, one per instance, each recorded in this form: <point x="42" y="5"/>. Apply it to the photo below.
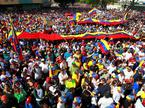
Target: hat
<point x="4" y="98"/>
<point x="36" y="84"/>
<point x="28" y="100"/>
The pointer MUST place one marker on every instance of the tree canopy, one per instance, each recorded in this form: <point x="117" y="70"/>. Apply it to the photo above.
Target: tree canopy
<point x="63" y="3"/>
<point x="102" y="3"/>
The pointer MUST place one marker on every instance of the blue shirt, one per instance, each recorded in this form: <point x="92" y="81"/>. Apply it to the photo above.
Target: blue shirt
<point x="66" y="55"/>
<point x="135" y="87"/>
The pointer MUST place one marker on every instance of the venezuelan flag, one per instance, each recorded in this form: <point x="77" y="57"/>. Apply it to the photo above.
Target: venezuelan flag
<point x="93" y="11"/>
<point x="77" y="16"/>
<point x="10" y="35"/>
<point x="104" y="46"/>
<point x="141" y="63"/>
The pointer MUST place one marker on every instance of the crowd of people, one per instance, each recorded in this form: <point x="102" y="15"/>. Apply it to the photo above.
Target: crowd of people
<point x="57" y="21"/>
<point x="73" y="73"/>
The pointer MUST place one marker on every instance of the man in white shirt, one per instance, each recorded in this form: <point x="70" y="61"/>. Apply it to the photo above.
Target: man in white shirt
<point x="105" y="101"/>
<point x="128" y="73"/>
<point x="63" y="65"/>
<point x="70" y="60"/>
<point x="127" y="55"/>
<point x="117" y="94"/>
<point x="43" y="66"/>
<point x="62" y="77"/>
<point x="37" y="72"/>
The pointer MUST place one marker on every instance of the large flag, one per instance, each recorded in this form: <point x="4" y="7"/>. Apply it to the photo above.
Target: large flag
<point x="77" y="16"/>
<point x="104" y="46"/>
<point x="94" y="11"/>
<point x="15" y="42"/>
<point x="10" y="35"/>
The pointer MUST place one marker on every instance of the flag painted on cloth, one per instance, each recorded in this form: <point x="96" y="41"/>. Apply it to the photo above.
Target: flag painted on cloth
<point x="10" y="35"/>
<point x="15" y="43"/>
<point x="141" y="63"/>
<point x="94" y="11"/>
<point x="77" y="16"/>
<point x="104" y="46"/>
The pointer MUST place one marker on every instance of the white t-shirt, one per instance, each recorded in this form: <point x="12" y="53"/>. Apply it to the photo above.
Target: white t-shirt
<point x="62" y="77"/>
<point x="63" y="65"/>
<point x="141" y="54"/>
<point x="60" y="105"/>
<point x="70" y="60"/>
<point x="44" y="67"/>
<point x="94" y="100"/>
<point x="127" y="55"/>
<point x="138" y="104"/>
<point x="111" y="69"/>
<point x="127" y="74"/>
<point x="116" y="96"/>
<point x="105" y="102"/>
<point x="39" y="94"/>
<point x="37" y="73"/>
<point x="121" y="78"/>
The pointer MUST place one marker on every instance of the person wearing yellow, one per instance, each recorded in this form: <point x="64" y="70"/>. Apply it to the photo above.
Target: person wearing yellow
<point x="85" y="66"/>
<point x="70" y="83"/>
<point x="140" y="98"/>
<point x="76" y="76"/>
<point x="100" y="66"/>
<point x="73" y="68"/>
<point x="90" y="63"/>
<point x="77" y="54"/>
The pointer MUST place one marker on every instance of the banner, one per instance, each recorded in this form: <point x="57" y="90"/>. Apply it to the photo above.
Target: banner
<point x="102" y="22"/>
<point x="53" y="37"/>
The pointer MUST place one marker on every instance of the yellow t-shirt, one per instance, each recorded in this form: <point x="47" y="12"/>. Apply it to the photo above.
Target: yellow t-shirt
<point x="78" y="64"/>
<point x="90" y="63"/>
<point x="75" y="77"/>
<point x="70" y="84"/>
<point x="100" y="66"/>
<point x="141" y="94"/>
<point x="85" y="66"/>
<point x="77" y="56"/>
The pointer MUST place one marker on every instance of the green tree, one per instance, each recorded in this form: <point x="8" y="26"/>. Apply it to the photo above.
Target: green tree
<point x="64" y="3"/>
<point x="103" y="3"/>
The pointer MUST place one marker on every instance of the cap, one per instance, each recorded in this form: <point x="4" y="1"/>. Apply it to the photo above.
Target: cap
<point x="4" y="98"/>
<point x="28" y="100"/>
<point x="36" y="84"/>
<point x="48" y="79"/>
